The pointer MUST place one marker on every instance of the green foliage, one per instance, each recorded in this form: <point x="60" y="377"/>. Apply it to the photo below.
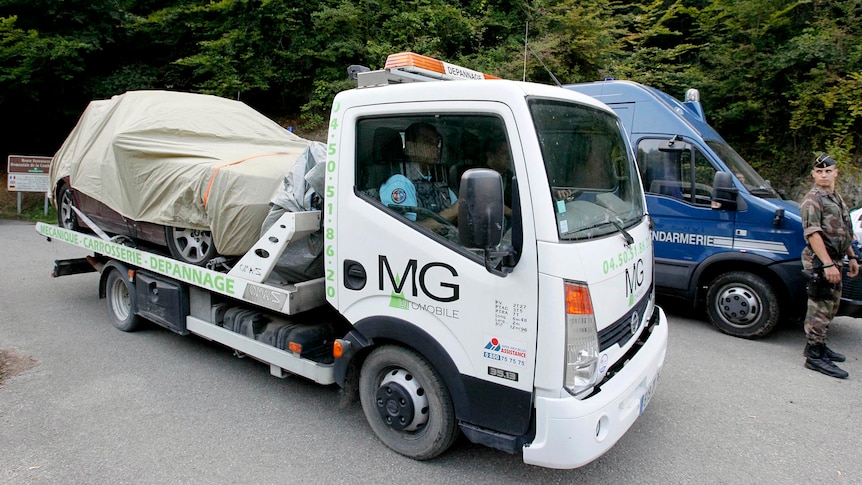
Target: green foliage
<point x="315" y="113"/>
<point x="780" y="80"/>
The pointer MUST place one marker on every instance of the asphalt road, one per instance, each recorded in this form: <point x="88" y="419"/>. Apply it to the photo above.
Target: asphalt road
<point x="107" y="407"/>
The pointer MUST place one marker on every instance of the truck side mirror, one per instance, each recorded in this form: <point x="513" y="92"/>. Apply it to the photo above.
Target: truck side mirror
<point x="480" y="209"/>
<point x="723" y="192"/>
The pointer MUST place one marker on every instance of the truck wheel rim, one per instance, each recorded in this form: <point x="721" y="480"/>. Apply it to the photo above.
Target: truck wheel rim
<point x="738" y="305"/>
<point x="120" y="300"/>
<point x="401" y="401"/>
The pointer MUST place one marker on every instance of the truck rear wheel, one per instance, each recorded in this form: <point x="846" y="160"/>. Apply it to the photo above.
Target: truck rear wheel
<point x="121" y="309"/>
<point x="406" y="403"/>
<point x="742" y="304"/>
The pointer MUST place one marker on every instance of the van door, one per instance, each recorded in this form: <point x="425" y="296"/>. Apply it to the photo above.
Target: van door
<point x="677" y="179"/>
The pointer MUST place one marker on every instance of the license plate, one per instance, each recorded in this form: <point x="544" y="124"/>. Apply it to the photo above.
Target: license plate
<point x="648" y="394"/>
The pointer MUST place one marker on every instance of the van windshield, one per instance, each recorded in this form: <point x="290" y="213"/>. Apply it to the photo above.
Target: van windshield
<point x="743" y="172"/>
<point x="591" y="175"/>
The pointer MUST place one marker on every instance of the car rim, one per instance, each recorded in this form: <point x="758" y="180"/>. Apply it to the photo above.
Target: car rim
<point x="66" y="209"/>
<point x="193" y="244"/>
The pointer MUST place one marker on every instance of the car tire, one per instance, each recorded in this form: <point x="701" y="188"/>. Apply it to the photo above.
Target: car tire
<point x="742" y="304"/>
<point x="66" y="217"/>
<point x="190" y="246"/>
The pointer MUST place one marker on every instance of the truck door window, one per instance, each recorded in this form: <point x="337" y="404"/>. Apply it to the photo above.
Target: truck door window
<point x="683" y="173"/>
<point x="412" y="165"/>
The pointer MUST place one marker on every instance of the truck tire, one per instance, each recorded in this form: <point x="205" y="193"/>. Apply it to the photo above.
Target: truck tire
<point x="66" y="217"/>
<point x="406" y="403"/>
<point x="190" y="245"/>
<point x="742" y="304"/>
<point x="121" y="308"/>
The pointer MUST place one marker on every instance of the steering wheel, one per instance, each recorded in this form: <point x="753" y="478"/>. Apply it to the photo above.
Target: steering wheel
<point x="404" y="209"/>
<point x="574" y="193"/>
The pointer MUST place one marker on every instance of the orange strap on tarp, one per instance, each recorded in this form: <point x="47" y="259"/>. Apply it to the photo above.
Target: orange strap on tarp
<point x="215" y="172"/>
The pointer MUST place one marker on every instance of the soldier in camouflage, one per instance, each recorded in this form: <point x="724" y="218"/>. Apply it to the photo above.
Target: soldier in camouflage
<point x="828" y="233"/>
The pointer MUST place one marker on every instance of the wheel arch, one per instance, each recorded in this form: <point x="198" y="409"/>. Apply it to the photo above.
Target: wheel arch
<point x="477" y="401"/>
<point x="755" y="264"/>
<point x="370" y="333"/>
<point x="123" y="270"/>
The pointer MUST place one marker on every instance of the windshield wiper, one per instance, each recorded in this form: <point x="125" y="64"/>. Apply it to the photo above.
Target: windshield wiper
<point x="628" y="237"/>
<point x="763" y="191"/>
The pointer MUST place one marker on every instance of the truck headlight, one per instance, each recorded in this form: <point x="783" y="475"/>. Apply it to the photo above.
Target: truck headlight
<point x="582" y="342"/>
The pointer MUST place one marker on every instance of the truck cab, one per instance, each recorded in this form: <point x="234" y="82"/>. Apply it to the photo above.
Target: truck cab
<point x="570" y="260"/>
<point x="723" y="236"/>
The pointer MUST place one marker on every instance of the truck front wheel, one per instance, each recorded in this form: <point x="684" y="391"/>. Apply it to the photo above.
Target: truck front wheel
<point x="121" y="310"/>
<point x="742" y="304"/>
<point x="406" y="403"/>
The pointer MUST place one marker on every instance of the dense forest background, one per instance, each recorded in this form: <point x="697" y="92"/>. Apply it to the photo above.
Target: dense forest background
<point x="781" y="80"/>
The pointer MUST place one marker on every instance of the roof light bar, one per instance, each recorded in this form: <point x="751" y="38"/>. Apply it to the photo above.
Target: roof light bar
<point x="428" y="66"/>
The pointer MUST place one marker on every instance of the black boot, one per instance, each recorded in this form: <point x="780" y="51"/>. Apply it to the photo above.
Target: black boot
<point x="832" y="355"/>
<point x="816" y="359"/>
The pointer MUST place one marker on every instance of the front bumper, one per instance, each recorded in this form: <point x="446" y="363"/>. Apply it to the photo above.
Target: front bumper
<point x="571" y="432"/>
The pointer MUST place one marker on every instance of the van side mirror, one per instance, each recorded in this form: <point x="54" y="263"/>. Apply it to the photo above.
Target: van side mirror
<point x="723" y="192"/>
<point x="675" y="144"/>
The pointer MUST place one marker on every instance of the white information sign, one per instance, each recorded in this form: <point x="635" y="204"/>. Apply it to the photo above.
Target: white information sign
<point x="28" y="174"/>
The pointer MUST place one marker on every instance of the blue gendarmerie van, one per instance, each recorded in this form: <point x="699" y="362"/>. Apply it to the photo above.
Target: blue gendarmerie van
<point x="723" y="236"/>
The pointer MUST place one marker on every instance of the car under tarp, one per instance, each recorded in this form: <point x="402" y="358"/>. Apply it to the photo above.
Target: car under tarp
<point x="180" y="159"/>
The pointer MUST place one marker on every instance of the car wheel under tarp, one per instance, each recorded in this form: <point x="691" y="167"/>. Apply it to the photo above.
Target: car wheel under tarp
<point x="191" y="246"/>
<point x="66" y="217"/>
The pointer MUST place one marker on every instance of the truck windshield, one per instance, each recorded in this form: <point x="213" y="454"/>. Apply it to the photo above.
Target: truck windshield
<point x="591" y="174"/>
<point x="744" y="172"/>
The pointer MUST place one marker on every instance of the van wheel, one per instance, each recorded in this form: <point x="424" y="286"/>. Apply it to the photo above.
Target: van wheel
<point x="66" y="217"/>
<point x="121" y="308"/>
<point x="190" y="245"/>
<point x="742" y="304"/>
<point x="406" y="403"/>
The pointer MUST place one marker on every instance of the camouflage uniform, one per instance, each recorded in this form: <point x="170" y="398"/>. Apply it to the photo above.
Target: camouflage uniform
<point x="824" y="212"/>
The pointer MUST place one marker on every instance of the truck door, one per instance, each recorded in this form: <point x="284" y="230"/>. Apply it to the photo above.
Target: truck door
<point x="677" y="179"/>
<point x="399" y="260"/>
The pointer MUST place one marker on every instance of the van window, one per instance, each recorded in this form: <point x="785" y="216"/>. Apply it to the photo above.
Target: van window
<point x="681" y="172"/>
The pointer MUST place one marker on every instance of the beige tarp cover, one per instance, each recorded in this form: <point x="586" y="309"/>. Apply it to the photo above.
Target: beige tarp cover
<point x="181" y="160"/>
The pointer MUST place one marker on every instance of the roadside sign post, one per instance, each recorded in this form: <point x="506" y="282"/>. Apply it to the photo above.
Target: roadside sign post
<point x="28" y="174"/>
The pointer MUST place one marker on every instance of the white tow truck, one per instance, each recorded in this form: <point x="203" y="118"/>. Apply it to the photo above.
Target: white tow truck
<point x="529" y="325"/>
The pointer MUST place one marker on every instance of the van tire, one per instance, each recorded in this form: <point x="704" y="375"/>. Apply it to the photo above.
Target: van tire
<point x="742" y="304"/>
<point x="407" y="403"/>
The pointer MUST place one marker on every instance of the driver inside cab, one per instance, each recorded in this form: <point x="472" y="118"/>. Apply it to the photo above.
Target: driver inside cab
<point x="423" y="184"/>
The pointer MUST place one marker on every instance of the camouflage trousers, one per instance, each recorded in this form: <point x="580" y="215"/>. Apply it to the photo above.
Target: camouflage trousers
<point x="819" y="316"/>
